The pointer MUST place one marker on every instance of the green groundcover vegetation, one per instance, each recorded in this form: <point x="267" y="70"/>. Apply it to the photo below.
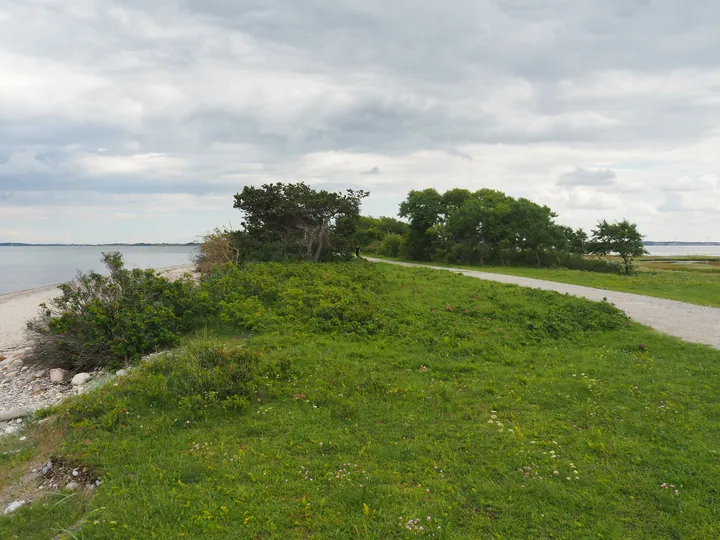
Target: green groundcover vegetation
<point x="351" y="400"/>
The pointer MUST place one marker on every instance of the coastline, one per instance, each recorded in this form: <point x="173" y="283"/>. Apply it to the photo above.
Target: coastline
<point x="16" y="308"/>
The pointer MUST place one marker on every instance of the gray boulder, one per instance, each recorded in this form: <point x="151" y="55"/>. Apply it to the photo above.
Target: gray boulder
<point x="59" y="375"/>
<point x="80" y="379"/>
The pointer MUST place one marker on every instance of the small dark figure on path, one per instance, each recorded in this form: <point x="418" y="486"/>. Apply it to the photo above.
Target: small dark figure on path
<point x="357" y="251"/>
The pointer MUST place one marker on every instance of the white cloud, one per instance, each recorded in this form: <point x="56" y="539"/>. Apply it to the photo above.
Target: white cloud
<point x="704" y="183"/>
<point x="591" y="199"/>
<point x="105" y="165"/>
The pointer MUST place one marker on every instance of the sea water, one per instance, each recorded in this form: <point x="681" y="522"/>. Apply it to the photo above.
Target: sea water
<point x="29" y="267"/>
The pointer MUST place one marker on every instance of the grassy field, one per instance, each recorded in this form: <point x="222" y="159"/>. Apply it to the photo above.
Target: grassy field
<point x="370" y="401"/>
<point x="675" y="279"/>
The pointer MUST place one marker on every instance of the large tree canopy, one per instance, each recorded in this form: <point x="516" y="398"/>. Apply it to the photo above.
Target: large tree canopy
<point x="465" y="226"/>
<point x="295" y="221"/>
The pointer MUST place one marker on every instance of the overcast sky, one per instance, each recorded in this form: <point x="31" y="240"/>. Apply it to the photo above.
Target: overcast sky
<point x="138" y="120"/>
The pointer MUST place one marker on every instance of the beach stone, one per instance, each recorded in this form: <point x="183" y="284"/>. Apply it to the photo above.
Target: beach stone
<point x="15" y="363"/>
<point x="12" y="429"/>
<point x="72" y="486"/>
<point x="121" y="372"/>
<point x="13" y="506"/>
<point x="80" y="379"/>
<point x="47" y="468"/>
<point x="59" y="375"/>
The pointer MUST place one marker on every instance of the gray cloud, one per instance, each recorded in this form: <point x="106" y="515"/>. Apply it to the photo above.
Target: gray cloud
<point x="457" y="153"/>
<point x="582" y="177"/>
<point x="202" y="97"/>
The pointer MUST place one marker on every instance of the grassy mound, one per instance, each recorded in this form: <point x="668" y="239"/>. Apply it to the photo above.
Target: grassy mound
<point x="349" y="400"/>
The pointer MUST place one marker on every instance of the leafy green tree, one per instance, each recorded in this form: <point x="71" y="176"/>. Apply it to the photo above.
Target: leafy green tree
<point x="572" y="241"/>
<point x="390" y="225"/>
<point x="621" y="237"/>
<point x="422" y="209"/>
<point x="295" y="221"/>
<point x="371" y="231"/>
<point x="534" y="228"/>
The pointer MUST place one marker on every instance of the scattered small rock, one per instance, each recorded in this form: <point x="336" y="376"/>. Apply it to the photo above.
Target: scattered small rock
<point x="72" y="486"/>
<point x="31" y="390"/>
<point x="13" y="506"/>
<point x="12" y="429"/>
<point x="47" y="469"/>
<point x="59" y="375"/>
<point x="15" y="363"/>
<point x="80" y="379"/>
<point x="121" y="372"/>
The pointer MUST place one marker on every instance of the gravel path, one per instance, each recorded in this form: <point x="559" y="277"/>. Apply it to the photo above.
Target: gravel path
<point x="699" y="324"/>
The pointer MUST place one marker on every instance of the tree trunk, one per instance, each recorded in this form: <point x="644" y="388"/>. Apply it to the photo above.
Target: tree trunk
<point x="321" y="240"/>
<point x="537" y="258"/>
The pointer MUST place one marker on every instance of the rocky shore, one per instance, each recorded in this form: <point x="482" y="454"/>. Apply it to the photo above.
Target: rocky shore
<point x="25" y="389"/>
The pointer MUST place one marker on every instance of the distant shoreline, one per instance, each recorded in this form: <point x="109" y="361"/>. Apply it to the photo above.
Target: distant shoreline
<point x="139" y="244"/>
<point x="652" y="243"/>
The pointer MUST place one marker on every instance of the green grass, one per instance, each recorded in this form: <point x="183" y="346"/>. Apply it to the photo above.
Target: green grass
<point x="459" y="406"/>
<point x="696" y="284"/>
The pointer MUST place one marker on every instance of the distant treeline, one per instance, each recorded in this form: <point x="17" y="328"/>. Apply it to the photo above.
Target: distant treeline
<point x="296" y="222"/>
<point x="490" y="227"/>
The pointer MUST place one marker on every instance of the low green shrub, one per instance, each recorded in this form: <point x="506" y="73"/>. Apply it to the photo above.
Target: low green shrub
<point x="543" y="259"/>
<point x="191" y="381"/>
<point x="104" y="319"/>
<point x="352" y="298"/>
<point x="215" y="249"/>
<point x="392" y="245"/>
<point x="330" y="297"/>
<point x="578" y="262"/>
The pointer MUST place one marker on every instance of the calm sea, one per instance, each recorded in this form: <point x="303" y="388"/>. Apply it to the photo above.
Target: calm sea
<point x="29" y="267"/>
<point x="670" y="251"/>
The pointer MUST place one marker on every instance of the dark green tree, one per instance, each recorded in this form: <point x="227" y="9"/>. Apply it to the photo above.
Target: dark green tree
<point x="371" y="231"/>
<point x="572" y="241"/>
<point x="620" y="237"/>
<point x="295" y="221"/>
<point x="534" y="228"/>
<point x="422" y="209"/>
